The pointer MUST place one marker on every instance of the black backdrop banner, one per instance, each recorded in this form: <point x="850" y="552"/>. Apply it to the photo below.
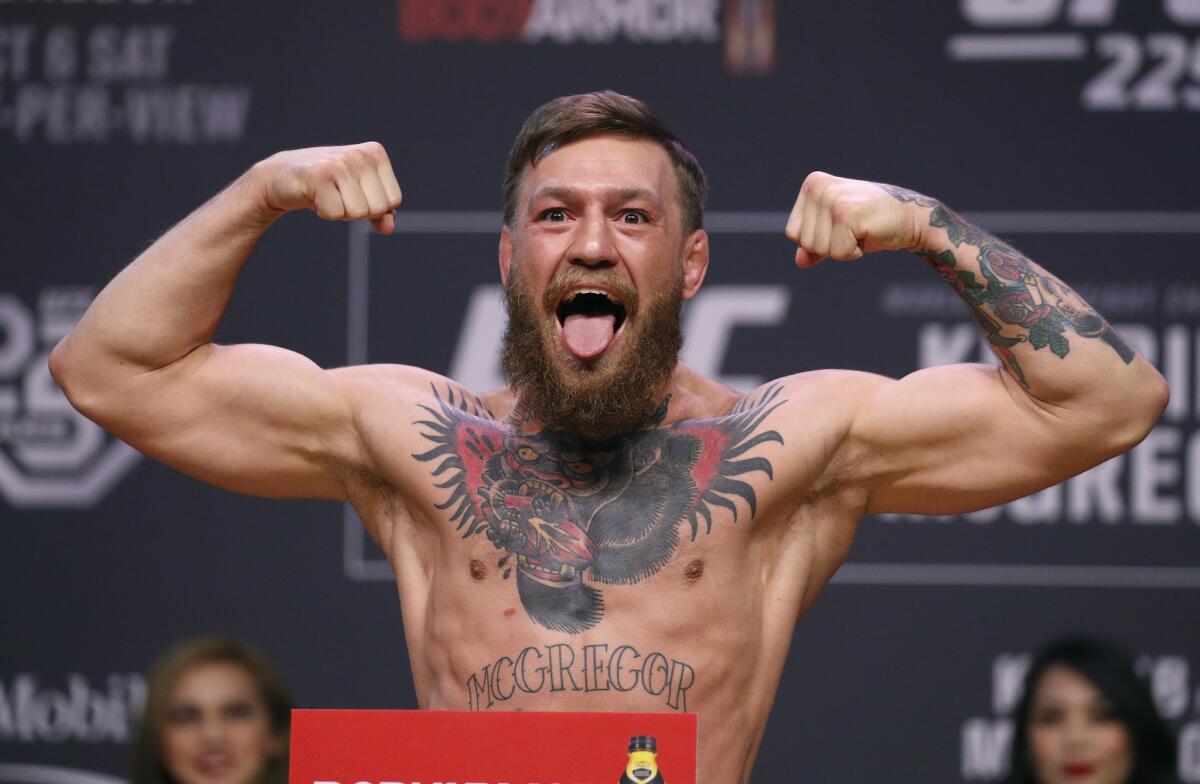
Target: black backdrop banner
<point x="1067" y="126"/>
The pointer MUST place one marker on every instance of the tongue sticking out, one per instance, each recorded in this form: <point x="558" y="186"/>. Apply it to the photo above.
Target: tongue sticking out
<point x="587" y="335"/>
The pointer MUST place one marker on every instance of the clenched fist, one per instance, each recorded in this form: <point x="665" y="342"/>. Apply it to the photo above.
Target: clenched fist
<point x="843" y="219"/>
<point x="338" y="183"/>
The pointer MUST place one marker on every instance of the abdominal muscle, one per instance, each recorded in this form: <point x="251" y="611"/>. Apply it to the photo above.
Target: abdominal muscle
<point x="707" y="634"/>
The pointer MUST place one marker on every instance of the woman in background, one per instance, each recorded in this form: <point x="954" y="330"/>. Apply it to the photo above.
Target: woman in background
<point x="216" y="713"/>
<point x="1085" y="717"/>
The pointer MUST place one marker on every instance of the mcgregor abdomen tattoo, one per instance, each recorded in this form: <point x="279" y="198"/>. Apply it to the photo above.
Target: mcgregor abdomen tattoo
<point x="577" y="512"/>
<point x="561" y="667"/>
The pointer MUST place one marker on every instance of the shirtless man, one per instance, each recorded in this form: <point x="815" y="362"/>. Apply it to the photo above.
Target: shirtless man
<point x="610" y="531"/>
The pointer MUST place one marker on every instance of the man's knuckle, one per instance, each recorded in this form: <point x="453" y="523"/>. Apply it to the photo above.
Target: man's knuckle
<point x="355" y="157"/>
<point x="322" y="170"/>
<point x="329" y="209"/>
<point x="339" y="167"/>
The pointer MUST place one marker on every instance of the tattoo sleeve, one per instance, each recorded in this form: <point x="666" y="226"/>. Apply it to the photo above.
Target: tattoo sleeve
<point x="1014" y="300"/>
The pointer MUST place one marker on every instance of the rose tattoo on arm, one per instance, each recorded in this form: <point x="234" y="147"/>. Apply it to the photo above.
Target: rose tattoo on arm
<point x="1013" y="299"/>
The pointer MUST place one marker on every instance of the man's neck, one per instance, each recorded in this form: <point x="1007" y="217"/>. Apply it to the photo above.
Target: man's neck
<point x="689" y="395"/>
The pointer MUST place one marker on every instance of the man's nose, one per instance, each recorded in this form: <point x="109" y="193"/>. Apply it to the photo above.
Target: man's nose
<point x="593" y="245"/>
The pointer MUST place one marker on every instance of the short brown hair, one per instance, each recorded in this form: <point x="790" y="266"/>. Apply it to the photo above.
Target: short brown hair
<point x="148" y="764"/>
<point x="574" y="117"/>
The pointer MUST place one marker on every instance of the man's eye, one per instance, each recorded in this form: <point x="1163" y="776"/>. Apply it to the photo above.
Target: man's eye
<point x="555" y="215"/>
<point x="635" y="217"/>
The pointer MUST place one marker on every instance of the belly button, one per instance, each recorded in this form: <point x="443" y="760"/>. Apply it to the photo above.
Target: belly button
<point x="478" y="570"/>
<point x="694" y="570"/>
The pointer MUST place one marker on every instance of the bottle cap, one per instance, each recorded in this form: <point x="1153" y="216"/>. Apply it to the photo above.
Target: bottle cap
<point x="643" y="743"/>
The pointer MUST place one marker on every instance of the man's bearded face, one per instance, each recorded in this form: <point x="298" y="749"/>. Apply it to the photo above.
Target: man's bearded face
<point x="611" y="393"/>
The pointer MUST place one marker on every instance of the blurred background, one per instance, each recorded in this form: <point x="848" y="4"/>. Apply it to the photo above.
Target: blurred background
<point x="1070" y="127"/>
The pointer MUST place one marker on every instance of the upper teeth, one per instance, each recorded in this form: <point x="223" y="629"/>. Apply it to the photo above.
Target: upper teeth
<point x="575" y="294"/>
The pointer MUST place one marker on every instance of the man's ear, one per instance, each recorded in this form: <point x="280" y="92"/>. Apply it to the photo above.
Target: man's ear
<point x="506" y="252"/>
<point x="695" y="262"/>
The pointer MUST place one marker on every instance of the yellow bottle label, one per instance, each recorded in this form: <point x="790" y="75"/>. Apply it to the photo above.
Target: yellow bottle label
<point x="642" y="766"/>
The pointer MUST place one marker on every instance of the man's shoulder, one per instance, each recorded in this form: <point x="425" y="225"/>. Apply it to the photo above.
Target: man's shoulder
<point x="406" y="384"/>
<point x="814" y="400"/>
<point x="783" y="438"/>
<point x="814" y="413"/>
<point x="388" y="374"/>
<point x="827" y="391"/>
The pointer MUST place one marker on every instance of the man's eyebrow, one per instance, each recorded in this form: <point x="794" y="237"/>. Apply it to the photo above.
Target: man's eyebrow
<point x="633" y="194"/>
<point x="560" y="192"/>
<point x="567" y="193"/>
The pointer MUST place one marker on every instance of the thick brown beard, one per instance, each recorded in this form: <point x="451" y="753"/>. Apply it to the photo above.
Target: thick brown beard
<point x="605" y="398"/>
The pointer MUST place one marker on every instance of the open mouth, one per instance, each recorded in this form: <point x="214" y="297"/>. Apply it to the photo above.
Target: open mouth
<point x="590" y="320"/>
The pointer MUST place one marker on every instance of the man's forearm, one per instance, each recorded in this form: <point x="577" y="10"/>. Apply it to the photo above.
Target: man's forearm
<point x="1055" y="345"/>
<point x="170" y="299"/>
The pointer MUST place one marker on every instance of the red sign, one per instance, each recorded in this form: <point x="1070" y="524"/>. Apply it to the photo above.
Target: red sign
<point x="468" y="747"/>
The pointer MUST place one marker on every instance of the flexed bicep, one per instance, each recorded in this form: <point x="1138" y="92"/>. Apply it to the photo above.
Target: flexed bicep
<point x="250" y="418"/>
<point x="256" y="419"/>
<point x="960" y="438"/>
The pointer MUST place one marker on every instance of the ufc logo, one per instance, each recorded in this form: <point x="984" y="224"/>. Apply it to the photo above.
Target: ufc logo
<point x="1042" y="13"/>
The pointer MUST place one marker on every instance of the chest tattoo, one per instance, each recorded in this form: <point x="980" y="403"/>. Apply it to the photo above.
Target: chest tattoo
<point x="578" y="512"/>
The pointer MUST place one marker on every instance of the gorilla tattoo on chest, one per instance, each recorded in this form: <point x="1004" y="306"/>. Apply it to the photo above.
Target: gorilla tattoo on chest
<point x="576" y="513"/>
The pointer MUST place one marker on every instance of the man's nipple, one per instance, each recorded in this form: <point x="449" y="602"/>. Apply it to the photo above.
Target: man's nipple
<point x="694" y="570"/>
<point x="478" y="570"/>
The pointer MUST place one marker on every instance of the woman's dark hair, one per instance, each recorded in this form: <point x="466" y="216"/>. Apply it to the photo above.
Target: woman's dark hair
<point x="1110" y="669"/>
<point x="574" y="117"/>
<point x="148" y="763"/>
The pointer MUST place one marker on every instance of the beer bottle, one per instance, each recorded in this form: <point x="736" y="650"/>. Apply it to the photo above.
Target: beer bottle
<point x="642" y="767"/>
